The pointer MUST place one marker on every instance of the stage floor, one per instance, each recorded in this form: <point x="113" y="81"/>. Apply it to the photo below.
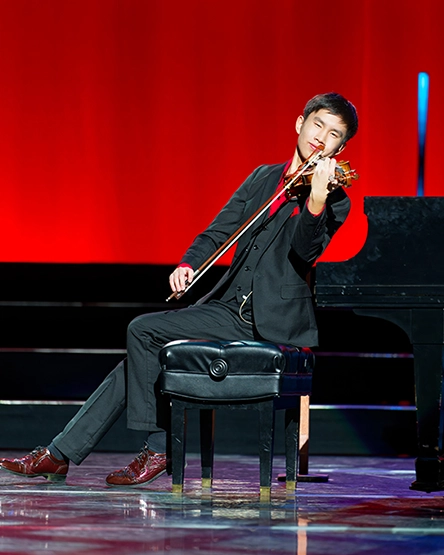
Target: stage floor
<point x="366" y="507"/>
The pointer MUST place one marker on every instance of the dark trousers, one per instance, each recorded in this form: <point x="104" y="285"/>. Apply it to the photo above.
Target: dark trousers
<point x="133" y="383"/>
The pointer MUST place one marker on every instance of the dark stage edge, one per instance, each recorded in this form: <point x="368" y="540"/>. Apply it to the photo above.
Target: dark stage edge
<point x="365" y="507"/>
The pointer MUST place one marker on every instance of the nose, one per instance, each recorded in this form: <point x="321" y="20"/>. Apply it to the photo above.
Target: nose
<point x="321" y="137"/>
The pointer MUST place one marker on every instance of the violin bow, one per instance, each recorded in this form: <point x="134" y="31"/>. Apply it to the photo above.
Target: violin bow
<point x="246" y="225"/>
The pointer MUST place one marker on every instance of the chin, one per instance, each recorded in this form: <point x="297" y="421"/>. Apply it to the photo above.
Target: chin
<point x="304" y="154"/>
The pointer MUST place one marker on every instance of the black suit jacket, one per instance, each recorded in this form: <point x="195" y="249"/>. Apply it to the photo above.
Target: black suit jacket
<point x="281" y="300"/>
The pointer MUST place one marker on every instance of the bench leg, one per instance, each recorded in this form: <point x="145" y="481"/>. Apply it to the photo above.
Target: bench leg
<point x="266" y="440"/>
<point x="297" y="445"/>
<point x="207" y="417"/>
<point x="304" y="434"/>
<point x="304" y="437"/>
<point x="178" y="440"/>
<point x="292" y="445"/>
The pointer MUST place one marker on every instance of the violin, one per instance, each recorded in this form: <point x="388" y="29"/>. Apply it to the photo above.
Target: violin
<point x="297" y="184"/>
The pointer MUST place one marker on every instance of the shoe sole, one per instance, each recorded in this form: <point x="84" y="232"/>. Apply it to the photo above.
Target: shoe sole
<point x="50" y="477"/>
<point x="136" y="485"/>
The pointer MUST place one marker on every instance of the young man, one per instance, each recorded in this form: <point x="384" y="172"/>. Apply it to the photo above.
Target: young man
<point x="266" y="280"/>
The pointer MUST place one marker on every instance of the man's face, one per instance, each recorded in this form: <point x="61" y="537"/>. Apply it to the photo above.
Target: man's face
<point x="320" y="128"/>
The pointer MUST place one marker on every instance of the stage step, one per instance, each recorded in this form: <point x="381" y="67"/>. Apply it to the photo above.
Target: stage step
<point x="335" y="429"/>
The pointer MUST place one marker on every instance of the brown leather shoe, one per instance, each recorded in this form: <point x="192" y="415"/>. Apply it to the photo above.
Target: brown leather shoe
<point x="39" y="462"/>
<point x="145" y="468"/>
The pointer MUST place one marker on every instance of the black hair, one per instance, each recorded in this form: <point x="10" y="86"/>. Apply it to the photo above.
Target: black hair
<point x="337" y="105"/>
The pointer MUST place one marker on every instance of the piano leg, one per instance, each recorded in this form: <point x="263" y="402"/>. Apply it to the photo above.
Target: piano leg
<point x="428" y="364"/>
<point x="425" y="329"/>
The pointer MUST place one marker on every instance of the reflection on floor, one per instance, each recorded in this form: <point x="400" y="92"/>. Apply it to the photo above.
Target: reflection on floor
<point x="365" y="507"/>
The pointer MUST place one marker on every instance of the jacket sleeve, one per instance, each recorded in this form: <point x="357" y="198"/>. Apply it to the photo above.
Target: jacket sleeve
<point x="313" y="233"/>
<point x="226" y="223"/>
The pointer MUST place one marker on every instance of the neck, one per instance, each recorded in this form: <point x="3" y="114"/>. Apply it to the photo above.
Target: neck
<point x="295" y="163"/>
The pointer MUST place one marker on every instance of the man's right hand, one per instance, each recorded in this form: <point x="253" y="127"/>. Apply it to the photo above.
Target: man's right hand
<point x="180" y="278"/>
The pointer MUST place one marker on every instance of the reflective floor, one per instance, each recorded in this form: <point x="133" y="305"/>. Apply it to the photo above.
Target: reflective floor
<point x="366" y="507"/>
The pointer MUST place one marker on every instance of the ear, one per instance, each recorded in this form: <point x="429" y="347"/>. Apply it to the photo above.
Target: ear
<point x="299" y="123"/>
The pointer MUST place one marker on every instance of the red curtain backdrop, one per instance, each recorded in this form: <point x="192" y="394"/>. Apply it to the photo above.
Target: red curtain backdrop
<point x="125" y="125"/>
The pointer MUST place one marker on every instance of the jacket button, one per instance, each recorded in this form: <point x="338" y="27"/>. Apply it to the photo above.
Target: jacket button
<point x="247" y="268"/>
<point x="255" y="247"/>
<point x="238" y="288"/>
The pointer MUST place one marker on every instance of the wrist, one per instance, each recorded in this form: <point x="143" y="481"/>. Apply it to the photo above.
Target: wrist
<point x="184" y="265"/>
<point x="315" y="205"/>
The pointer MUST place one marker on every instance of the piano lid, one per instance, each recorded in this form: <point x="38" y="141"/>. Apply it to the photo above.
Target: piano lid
<point x="401" y="263"/>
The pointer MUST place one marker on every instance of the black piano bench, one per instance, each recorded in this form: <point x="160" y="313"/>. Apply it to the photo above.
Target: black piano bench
<point x="207" y="375"/>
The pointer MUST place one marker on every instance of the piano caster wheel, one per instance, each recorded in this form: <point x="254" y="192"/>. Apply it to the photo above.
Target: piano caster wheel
<point x="427" y="487"/>
<point x="306" y="478"/>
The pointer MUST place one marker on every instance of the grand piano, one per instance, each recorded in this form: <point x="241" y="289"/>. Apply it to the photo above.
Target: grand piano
<point x="399" y="276"/>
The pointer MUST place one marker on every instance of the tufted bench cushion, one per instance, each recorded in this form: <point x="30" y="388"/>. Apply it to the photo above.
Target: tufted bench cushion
<point x="234" y="370"/>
